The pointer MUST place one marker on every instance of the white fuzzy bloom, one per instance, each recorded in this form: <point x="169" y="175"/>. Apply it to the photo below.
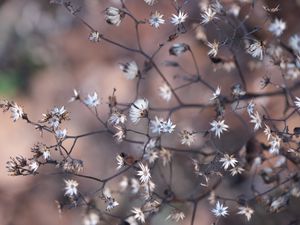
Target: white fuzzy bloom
<point x="255" y="118"/>
<point x="144" y="173"/>
<point x="228" y="160"/>
<point x="217" y="6"/>
<point x="91" y="218"/>
<point x="277" y="27"/>
<point x="275" y="144"/>
<point x="56" y="111"/>
<point x="234" y="10"/>
<point x="214" y="48"/>
<point x="151" y="155"/>
<point x="71" y="187"/>
<point x="236" y="170"/>
<point x="156" y="19"/>
<point x="208" y="15"/>
<point x="117" y="118"/>
<point x="130" y="70"/>
<point x="179" y="19"/>
<point x="297" y="103"/>
<point x="46" y="154"/>
<point x="124" y="183"/>
<point x="75" y="96"/>
<point x="54" y="121"/>
<point x="138" y="214"/>
<point x="135" y="185"/>
<point x="186" y="138"/>
<point x="120" y="134"/>
<point x="220" y="210"/>
<point x="111" y="202"/>
<point x="33" y="165"/>
<point x="256" y="50"/>
<point x="165" y="92"/>
<point x="150" y="2"/>
<point x="218" y="127"/>
<point x="176" y="216"/>
<point x="92" y="100"/>
<point x="245" y="211"/>
<point x="294" y="43"/>
<point x="267" y="132"/>
<point x="120" y="161"/>
<point x="138" y="110"/>
<point x="161" y="126"/>
<point x="61" y="134"/>
<point x="216" y="94"/>
<point x="16" y="112"/>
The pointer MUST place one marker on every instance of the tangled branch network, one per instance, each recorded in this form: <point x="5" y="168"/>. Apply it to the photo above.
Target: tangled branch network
<point x="267" y="160"/>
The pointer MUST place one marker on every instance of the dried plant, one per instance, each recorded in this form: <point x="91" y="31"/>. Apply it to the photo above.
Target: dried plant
<point x="273" y="158"/>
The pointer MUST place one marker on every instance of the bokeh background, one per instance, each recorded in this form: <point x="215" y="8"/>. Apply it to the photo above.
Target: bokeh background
<point x="45" y="54"/>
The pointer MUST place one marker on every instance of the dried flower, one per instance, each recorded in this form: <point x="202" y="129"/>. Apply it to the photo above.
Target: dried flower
<point x="16" y="112"/>
<point x="186" y="138"/>
<point x="214" y="48"/>
<point x="138" y="214"/>
<point x="255" y="118"/>
<point x="236" y="170"/>
<point x="160" y="126"/>
<point x="277" y="27"/>
<point x="179" y="48"/>
<point x="61" y="134"/>
<point x="297" y="103"/>
<point x="120" y="133"/>
<point x="130" y="70"/>
<point x="144" y="173"/>
<point x="114" y="15"/>
<point x="72" y="165"/>
<point x="94" y="36"/>
<point x="179" y="19"/>
<point x="176" y="216"/>
<point x="156" y="19"/>
<point x="218" y="127"/>
<point x="33" y="166"/>
<point x="165" y="92"/>
<point x="256" y="49"/>
<point x="294" y="42"/>
<point x="220" y="210"/>
<point x="75" y="96"/>
<point x="117" y="118"/>
<point x="71" y="188"/>
<point x="91" y="218"/>
<point x="138" y="110"/>
<point x="208" y="15"/>
<point x="245" y="211"/>
<point x="150" y="2"/>
<point x="228" y="160"/>
<point x="165" y="155"/>
<point x="92" y="100"/>
<point x="216" y="94"/>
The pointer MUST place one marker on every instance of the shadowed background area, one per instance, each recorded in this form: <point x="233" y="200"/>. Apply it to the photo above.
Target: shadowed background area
<point x="45" y="54"/>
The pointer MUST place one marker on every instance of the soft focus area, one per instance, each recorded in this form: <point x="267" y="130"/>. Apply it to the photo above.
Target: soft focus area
<point x="46" y="53"/>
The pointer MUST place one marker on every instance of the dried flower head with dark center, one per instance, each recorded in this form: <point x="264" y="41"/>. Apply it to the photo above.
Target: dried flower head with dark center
<point x="179" y="48"/>
<point x="114" y="15"/>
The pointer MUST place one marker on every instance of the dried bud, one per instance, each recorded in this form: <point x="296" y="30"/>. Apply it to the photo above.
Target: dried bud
<point x="178" y="49"/>
<point x="114" y="16"/>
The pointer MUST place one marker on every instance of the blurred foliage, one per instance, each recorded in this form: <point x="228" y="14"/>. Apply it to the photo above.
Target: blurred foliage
<point x="15" y="79"/>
